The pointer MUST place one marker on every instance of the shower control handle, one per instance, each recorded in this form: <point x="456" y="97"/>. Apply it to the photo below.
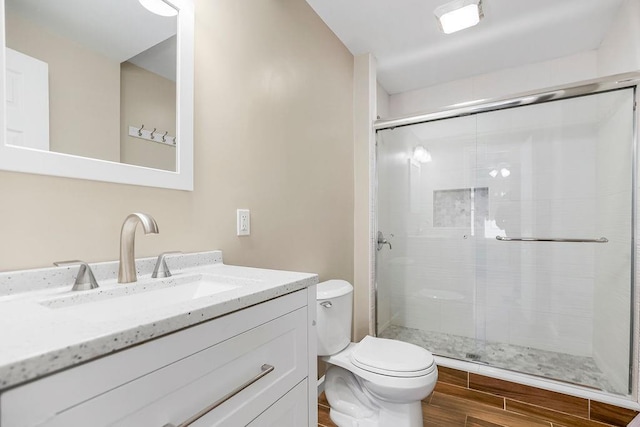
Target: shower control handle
<point x="383" y="241"/>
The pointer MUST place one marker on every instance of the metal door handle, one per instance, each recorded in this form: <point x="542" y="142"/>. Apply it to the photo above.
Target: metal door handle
<point x="550" y="239"/>
<point x="265" y="369"/>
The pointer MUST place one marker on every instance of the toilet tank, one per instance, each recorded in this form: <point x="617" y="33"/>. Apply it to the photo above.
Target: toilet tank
<point x="335" y="308"/>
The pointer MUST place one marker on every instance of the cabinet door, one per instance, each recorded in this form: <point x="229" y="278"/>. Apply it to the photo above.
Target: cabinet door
<point x="290" y="411"/>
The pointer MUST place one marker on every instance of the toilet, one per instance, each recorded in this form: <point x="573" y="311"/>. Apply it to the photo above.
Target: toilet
<point x="374" y="383"/>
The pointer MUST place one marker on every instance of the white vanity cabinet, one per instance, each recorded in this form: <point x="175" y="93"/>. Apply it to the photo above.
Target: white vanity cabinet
<point x="262" y="358"/>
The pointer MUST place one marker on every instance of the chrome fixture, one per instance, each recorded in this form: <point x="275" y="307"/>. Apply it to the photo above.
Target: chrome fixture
<point x="326" y="304"/>
<point x="127" y="270"/>
<point x="571" y="90"/>
<point x="85" y="279"/>
<point x="383" y="241"/>
<point x="550" y="239"/>
<point x="162" y="269"/>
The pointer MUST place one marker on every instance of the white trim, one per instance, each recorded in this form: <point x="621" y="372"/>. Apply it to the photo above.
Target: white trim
<point x="373" y="220"/>
<point x="20" y="159"/>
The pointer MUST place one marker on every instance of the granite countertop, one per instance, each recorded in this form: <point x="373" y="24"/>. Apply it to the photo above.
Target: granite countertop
<point x="45" y="327"/>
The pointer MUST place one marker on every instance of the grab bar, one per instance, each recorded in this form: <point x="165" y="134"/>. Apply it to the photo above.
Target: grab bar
<point x="550" y="239"/>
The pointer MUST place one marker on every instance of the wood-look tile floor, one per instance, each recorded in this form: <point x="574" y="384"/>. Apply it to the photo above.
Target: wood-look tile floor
<point x="444" y="410"/>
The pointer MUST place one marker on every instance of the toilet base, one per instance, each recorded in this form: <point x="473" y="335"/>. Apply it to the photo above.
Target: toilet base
<point x="353" y="406"/>
<point x="405" y="415"/>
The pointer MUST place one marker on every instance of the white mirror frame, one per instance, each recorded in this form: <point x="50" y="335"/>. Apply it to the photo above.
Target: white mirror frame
<point x="21" y="159"/>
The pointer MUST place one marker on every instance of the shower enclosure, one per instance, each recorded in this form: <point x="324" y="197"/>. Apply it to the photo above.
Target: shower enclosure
<point x="511" y="235"/>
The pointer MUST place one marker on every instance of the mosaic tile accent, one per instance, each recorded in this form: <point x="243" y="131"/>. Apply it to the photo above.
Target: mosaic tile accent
<point x="460" y="208"/>
<point x="559" y="366"/>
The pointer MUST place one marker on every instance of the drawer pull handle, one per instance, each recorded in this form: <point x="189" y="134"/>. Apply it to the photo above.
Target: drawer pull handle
<point x="264" y="370"/>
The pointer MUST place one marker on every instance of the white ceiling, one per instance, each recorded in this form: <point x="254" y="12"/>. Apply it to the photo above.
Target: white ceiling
<point x="412" y="52"/>
<point x="118" y="29"/>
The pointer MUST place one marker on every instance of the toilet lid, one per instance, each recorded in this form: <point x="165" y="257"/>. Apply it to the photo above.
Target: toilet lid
<point x="391" y="357"/>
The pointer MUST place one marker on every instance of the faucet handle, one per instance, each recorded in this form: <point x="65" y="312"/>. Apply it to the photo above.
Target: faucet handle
<point x="85" y="279"/>
<point x="161" y="269"/>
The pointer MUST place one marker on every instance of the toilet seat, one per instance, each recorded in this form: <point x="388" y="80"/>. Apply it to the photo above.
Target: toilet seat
<point x="392" y="358"/>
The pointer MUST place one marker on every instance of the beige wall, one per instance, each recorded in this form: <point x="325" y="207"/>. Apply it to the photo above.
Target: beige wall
<point x="273" y="133"/>
<point x="149" y="99"/>
<point x="84" y="94"/>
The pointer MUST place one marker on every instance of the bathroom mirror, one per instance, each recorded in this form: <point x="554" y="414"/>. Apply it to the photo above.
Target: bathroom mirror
<point x="99" y="90"/>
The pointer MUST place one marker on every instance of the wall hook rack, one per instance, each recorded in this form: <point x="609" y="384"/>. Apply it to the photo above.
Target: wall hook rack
<point x="152" y="135"/>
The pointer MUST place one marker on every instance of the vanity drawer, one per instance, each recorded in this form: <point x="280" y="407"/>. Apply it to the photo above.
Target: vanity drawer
<point x="209" y="358"/>
<point x="176" y="392"/>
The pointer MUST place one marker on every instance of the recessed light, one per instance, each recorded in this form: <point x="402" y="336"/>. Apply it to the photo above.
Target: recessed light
<point x="158" y="7"/>
<point x="458" y="15"/>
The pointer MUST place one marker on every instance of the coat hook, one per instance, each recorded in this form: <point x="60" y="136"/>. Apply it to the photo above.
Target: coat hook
<point x="164" y="136"/>
<point x="140" y="130"/>
<point x="152" y="132"/>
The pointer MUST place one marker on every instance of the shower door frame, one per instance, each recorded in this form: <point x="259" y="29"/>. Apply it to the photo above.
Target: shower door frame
<point x="573" y="90"/>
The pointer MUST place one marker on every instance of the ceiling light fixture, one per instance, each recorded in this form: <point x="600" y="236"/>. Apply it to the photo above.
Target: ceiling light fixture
<point x="458" y="15"/>
<point x="158" y="7"/>
<point x="421" y="154"/>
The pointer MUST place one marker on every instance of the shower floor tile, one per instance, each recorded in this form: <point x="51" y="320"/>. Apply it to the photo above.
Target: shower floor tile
<point x="559" y="366"/>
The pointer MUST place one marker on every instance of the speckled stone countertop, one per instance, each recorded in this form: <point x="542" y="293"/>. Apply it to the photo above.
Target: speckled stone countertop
<point x="45" y="327"/>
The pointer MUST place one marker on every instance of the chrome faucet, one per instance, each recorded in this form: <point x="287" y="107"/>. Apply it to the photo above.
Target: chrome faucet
<point x="85" y="279"/>
<point x="162" y="269"/>
<point x="127" y="270"/>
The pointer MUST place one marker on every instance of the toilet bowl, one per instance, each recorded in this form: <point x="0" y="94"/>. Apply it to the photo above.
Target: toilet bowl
<point x="376" y="382"/>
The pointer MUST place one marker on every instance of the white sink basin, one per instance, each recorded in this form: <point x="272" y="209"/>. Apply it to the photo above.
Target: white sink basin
<point x="122" y="300"/>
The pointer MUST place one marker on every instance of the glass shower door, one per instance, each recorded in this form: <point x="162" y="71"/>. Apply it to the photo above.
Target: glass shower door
<point x="428" y="201"/>
<point x="560" y="171"/>
<point x="512" y="239"/>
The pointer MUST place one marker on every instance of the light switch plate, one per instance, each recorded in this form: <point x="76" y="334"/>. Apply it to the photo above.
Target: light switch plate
<point x="243" y="222"/>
